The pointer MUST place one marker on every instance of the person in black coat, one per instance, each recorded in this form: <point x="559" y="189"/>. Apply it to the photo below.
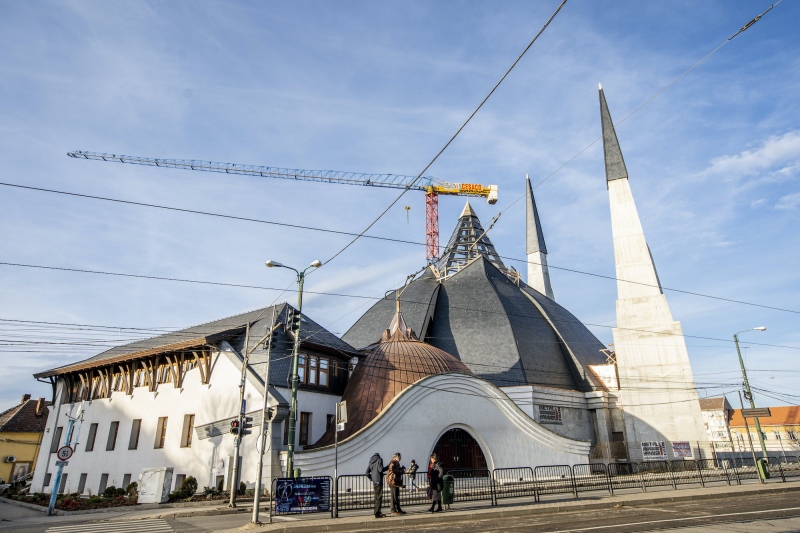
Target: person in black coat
<point x="375" y="472"/>
<point x="435" y="482"/>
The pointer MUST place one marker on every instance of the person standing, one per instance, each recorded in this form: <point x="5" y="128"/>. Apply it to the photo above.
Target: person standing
<point x="412" y="475"/>
<point x="435" y="482"/>
<point x="394" y="478"/>
<point x="375" y="472"/>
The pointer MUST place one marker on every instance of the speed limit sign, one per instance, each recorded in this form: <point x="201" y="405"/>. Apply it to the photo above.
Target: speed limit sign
<point x="64" y="453"/>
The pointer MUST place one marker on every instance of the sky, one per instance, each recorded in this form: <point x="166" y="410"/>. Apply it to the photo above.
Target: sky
<point x="714" y="162"/>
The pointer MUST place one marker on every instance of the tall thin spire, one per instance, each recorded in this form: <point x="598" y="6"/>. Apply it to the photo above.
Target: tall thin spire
<point x="615" y="164"/>
<point x="538" y="273"/>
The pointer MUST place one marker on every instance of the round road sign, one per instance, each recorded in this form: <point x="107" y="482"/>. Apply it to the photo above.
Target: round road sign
<point x="64" y="453"/>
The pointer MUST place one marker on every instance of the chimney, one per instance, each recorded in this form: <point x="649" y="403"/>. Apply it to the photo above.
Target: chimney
<point x="40" y="406"/>
<point x="25" y="398"/>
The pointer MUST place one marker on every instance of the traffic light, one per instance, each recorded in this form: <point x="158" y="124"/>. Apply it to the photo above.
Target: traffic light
<point x="272" y="338"/>
<point x="245" y="430"/>
<point x="235" y="427"/>
<point x="294" y="321"/>
<point x="270" y="413"/>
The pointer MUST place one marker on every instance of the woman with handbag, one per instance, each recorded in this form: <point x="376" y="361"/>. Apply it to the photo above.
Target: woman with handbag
<point x="435" y="483"/>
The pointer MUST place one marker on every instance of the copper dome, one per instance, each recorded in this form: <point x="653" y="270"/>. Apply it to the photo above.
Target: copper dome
<point x="388" y="367"/>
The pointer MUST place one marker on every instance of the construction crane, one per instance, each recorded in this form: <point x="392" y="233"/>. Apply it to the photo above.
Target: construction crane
<point x="429" y="185"/>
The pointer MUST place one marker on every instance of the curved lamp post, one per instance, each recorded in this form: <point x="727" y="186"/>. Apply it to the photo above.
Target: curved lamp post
<point x="294" y="378"/>
<point x="747" y="394"/>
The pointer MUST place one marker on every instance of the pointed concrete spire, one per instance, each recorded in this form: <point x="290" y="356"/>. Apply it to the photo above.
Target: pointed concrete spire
<point x="538" y="273"/>
<point x="468" y="211"/>
<point x="534" y="238"/>
<point x="615" y="164"/>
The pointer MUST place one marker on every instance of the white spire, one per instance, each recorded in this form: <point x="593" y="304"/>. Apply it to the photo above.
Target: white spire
<point x="538" y="273"/>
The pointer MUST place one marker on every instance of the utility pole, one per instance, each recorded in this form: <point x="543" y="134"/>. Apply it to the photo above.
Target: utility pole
<point x="63" y="462"/>
<point x="750" y="438"/>
<point x="238" y="439"/>
<point x="748" y="394"/>
<point x="266" y="429"/>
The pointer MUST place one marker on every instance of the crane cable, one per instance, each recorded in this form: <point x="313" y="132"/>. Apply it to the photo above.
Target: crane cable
<point x="546" y="24"/>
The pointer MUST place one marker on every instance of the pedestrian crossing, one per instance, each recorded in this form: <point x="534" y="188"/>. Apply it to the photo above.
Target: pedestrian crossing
<point x="134" y="526"/>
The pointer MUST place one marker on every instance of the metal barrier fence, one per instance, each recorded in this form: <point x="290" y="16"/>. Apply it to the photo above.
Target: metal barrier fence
<point x="514" y="482"/>
<point x="357" y="492"/>
<point x="554" y="480"/>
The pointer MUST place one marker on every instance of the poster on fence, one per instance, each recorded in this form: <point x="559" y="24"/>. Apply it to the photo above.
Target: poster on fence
<point x="682" y="449"/>
<point x="302" y="495"/>
<point x="654" y="450"/>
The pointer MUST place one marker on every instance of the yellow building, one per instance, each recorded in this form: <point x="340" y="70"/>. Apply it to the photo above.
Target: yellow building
<point x="781" y="432"/>
<point x="21" y="430"/>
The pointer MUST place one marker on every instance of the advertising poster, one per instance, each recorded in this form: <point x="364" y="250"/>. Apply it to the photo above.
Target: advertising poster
<point x="654" y="451"/>
<point x="302" y="495"/>
<point x="681" y="449"/>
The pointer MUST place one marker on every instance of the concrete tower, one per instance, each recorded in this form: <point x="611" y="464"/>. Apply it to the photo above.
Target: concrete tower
<point x="660" y="405"/>
<point x="538" y="274"/>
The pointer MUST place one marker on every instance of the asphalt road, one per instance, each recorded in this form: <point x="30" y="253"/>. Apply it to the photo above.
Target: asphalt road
<point x="776" y="512"/>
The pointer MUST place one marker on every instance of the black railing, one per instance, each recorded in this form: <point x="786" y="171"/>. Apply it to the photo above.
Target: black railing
<point x="357" y="492"/>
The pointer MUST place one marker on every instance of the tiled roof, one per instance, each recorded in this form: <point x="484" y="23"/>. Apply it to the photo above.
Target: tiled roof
<point x="22" y="418"/>
<point x="712" y="404"/>
<point x="787" y="416"/>
<point x="387" y="369"/>
<point x="230" y="329"/>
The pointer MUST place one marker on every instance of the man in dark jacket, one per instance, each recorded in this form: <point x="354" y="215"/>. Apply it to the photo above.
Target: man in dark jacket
<point x="375" y="473"/>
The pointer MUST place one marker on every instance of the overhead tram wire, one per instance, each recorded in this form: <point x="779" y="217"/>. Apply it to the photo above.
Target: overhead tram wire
<point x="447" y="144"/>
<point x="605" y="326"/>
<point x="656" y="95"/>
<point x="375" y="237"/>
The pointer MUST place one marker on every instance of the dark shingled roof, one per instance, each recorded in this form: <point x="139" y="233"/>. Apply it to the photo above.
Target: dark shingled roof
<point x="505" y="332"/>
<point x="231" y="329"/>
<point x="23" y="418"/>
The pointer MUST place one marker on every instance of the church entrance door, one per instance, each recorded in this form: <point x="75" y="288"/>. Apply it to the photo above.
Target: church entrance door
<point x="458" y="449"/>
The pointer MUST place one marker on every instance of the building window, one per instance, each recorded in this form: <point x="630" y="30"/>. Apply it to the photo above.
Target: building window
<point x="791" y="435"/>
<point x="126" y="480"/>
<point x="56" y="440"/>
<point x="92" y="436"/>
<point x="549" y="414"/>
<point x="188" y="427"/>
<point x="331" y="419"/>
<point x="47" y="479"/>
<point x="286" y="432"/>
<point x="305" y="423"/>
<point x="103" y="483"/>
<point x="82" y="484"/>
<point x="112" y="436"/>
<point x="161" y="432"/>
<point x="136" y="428"/>
<point x="179" y="481"/>
<point x="63" y="484"/>
<point x="313" y="370"/>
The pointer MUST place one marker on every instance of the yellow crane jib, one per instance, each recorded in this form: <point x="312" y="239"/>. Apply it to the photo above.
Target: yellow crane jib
<point x="465" y="189"/>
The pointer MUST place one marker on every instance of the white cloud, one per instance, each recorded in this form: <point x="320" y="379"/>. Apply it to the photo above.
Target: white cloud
<point x="758" y="203"/>
<point x="777" y="158"/>
<point x="790" y="201"/>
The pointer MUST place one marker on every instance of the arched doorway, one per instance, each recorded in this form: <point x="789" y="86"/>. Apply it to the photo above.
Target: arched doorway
<point x="458" y="449"/>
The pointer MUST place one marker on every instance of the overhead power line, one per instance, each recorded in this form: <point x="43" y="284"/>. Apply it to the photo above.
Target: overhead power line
<point x="375" y="237"/>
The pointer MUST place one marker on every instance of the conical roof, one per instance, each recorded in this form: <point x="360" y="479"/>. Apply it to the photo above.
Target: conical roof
<point x="469" y="240"/>
<point x="534" y="238"/>
<point x="387" y="368"/>
<point x="615" y="164"/>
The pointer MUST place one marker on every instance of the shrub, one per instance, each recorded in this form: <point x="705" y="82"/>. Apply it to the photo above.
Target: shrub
<point x="132" y="489"/>
<point x="242" y="488"/>
<point x="110" y="492"/>
<point x="219" y="484"/>
<point x="189" y="486"/>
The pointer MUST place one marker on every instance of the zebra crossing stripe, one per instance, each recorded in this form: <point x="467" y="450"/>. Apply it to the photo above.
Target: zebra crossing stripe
<point x="138" y="526"/>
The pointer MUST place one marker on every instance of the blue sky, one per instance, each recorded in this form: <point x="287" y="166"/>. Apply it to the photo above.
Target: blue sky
<point x="379" y="87"/>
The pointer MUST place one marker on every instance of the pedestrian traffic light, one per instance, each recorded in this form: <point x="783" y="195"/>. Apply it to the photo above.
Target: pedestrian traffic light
<point x="235" y="427"/>
<point x="245" y="430"/>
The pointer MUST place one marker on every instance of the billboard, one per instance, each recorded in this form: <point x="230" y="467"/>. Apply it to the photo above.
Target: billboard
<point x="302" y="495"/>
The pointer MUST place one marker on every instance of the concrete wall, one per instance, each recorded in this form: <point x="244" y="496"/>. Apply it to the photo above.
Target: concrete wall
<point x="577" y="420"/>
<point x="414" y="421"/>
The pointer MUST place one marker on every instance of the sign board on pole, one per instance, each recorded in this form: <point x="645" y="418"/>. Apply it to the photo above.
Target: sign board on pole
<point x="339" y="427"/>
<point x="756" y="412"/>
<point x="341" y="412"/>
<point x="302" y="495"/>
<point x="244" y="406"/>
<point x="62" y="463"/>
<point x="64" y="453"/>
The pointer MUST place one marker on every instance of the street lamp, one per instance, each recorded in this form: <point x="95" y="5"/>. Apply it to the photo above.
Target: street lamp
<point x="747" y="394"/>
<point x="294" y="378"/>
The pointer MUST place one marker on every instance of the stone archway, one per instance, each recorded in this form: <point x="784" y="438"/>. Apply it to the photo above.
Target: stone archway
<point x="456" y="448"/>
